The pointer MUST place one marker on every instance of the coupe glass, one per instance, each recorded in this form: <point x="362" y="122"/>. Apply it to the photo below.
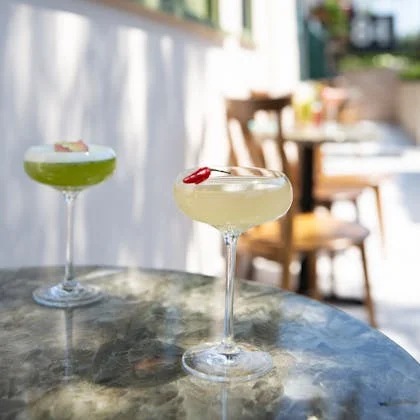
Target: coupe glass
<point x="69" y="173"/>
<point x="232" y="199"/>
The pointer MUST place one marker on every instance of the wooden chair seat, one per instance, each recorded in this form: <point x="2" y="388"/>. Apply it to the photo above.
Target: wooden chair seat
<point x="311" y="232"/>
<point x="363" y="182"/>
<point x="331" y="193"/>
<point x="349" y="181"/>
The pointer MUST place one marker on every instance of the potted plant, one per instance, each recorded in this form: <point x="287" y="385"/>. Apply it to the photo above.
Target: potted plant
<point x="334" y="18"/>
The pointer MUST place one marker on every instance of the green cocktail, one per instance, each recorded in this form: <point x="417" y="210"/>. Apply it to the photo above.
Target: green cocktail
<point x="70" y="175"/>
<point x="69" y="168"/>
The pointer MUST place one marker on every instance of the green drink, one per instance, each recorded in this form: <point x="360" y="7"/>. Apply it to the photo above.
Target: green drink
<point x="69" y="167"/>
<point x="72" y="170"/>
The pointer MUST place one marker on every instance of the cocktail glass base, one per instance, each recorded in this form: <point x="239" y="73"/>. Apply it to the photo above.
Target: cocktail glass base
<point x="241" y="363"/>
<point x="57" y="297"/>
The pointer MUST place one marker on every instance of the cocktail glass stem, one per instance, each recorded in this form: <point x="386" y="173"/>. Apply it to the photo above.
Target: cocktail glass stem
<point x="226" y="360"/>
<point x="69" y="283"/>
<point x="230" y="240"/>
<point x="69" y="293"/>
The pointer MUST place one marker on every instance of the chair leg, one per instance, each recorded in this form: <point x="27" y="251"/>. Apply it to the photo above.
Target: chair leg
<point x="246" y="272"/>
<point x="249" y="273"/>
<point x="313" y="280"/>
<point x="331" y="255"/>
<point x="368" y="297"/>
<point x="356" y="209"/>
<point x="328" y="205"/>
<point x="284" y="281"/>
<point x="378" y="199"/>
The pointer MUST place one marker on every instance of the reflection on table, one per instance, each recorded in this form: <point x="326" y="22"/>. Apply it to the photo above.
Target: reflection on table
<point x="121" y="358"/>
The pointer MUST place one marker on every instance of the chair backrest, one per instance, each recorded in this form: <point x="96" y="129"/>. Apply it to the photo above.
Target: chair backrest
<point x="243" y="111"/>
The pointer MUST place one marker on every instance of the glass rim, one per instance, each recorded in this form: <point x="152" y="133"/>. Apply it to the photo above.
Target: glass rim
<point x="45" y="153"/>
<point x="258" y="172"/>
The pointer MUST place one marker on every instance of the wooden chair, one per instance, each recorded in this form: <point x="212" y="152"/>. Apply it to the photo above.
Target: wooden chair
<point x="355" y="180"/>
<point x="331" y="191"/>
<point x="295" y="233"/>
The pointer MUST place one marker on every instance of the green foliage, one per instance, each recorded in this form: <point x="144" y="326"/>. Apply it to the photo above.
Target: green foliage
<point x="407" y="67"/>
<point x="410" y="45"/>
<point x="412" y="72"/>
<point x="333" y="17"/>
<point x="338" y="25"/>
<point x="370" y="60"/>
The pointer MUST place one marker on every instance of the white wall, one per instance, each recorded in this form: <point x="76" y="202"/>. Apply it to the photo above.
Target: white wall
<point x="408" y="108"/>
<point x="70" y="69"/>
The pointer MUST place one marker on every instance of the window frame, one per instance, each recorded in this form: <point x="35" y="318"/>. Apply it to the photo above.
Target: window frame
<point x="179" y="9"/>
<point x="213" y="33"/>
<point x="247" y="18"/>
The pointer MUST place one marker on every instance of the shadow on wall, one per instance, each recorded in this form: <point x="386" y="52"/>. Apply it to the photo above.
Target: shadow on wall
<point x="91" y="72"/>
<point x="24" y="95"/>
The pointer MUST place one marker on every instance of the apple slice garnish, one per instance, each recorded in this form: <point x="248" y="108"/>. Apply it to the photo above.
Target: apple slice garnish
<point x="71" y="146"/>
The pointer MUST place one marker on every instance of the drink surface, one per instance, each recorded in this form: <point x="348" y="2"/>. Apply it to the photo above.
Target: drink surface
<point x="235" y="203"/>
<point x="69" y="170"/>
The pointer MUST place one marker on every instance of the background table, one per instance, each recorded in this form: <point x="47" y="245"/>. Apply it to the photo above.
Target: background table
<point x="120" y="359"/>
<point x="312" y="137"/>
<point x="309" y="140"/>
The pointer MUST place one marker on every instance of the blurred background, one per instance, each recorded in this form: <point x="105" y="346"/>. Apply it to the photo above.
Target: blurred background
<point x="150" y="77"/>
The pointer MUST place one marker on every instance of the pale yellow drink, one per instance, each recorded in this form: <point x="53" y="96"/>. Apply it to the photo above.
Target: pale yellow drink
<point x="232" y="199"/>
<point x="235" y="203"/>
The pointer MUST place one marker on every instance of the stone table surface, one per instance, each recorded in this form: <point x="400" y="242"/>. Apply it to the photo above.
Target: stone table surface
<point x="121" y="358"/>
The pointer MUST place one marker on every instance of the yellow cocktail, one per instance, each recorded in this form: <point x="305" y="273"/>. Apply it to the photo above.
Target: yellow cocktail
<point x="234" y="203"/>
<point x="232" y="200"/>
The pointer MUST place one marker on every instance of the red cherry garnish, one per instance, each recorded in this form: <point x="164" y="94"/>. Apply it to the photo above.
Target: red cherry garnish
<point x="200" y="175"/>
<point x="71" y="146"/>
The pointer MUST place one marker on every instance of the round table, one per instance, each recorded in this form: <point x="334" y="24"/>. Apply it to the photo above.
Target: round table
<point x="120" y="359"/>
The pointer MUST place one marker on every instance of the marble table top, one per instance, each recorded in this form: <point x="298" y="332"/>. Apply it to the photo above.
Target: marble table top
<point x="361" y="131"/>
<point x="333" y="133"/>
<point x="120" y="359"/>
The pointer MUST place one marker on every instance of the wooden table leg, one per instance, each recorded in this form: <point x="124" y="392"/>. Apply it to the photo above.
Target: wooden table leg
<point x="307" y="204"/>
<point x="307" y="175"/>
